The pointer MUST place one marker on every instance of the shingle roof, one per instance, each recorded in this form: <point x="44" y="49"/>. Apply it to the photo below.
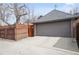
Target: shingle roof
<point x="54" y="15"/>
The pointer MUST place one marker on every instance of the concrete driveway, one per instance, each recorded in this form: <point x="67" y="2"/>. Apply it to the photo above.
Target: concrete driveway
<point x="39" y="45"/>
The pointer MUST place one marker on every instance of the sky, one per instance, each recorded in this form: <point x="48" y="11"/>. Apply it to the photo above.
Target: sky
<point x="44" y="8"/>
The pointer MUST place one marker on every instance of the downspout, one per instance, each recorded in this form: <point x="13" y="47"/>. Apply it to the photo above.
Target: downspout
<point x="74" y="30"/>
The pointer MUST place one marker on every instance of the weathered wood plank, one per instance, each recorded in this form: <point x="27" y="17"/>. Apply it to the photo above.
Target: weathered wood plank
<point x="15" y="32"/>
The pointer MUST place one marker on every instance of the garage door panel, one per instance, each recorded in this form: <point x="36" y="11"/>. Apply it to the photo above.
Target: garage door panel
<point x="54" y="29"/>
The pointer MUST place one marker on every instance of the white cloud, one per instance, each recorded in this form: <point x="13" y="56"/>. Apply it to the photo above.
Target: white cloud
<point x="69" y="3"/>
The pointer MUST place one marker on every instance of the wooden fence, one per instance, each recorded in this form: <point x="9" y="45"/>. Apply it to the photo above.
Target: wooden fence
<point x="16" y="32"/>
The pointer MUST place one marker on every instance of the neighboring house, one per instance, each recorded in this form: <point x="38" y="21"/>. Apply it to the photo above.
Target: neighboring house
<point x="55" y="23"/>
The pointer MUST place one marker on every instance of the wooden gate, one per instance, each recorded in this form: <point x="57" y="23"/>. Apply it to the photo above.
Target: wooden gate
<point x="30" y="30"/>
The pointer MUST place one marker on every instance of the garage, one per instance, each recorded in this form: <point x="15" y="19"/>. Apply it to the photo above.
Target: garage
<point x="56" y="23"/>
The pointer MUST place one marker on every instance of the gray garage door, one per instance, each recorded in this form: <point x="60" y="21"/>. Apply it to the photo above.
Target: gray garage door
<point x="58" y="29"/>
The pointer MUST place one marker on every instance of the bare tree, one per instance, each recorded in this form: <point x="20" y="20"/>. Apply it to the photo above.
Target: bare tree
<point x="19" y="10"/>
<point x="4" y="14"/>
<point x="75" y="10"/>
